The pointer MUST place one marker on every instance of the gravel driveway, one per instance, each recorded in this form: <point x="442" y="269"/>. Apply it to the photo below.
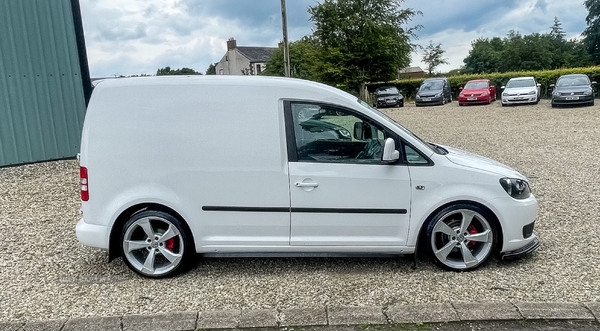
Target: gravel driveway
<point x="46" y="274"/>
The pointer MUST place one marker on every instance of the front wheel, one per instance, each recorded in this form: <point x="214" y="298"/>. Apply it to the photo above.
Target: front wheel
<point x="155" y="244"/>
<point x="461" y="237"/>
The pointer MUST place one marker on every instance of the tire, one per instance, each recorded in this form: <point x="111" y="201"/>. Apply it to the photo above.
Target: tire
<point x="155" y="244"/>
<point x="401" y="103"/>
<point x="461" y="237"/>
<point x="461" y="104"/>
<point x="553" y="105"/>
<point x="503" y="104"/>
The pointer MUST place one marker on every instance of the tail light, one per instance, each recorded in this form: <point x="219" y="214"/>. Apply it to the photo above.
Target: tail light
<point x="83" y="180"/>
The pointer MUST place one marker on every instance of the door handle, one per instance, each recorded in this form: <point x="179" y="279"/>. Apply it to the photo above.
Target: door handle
<point x="300" y="184"/>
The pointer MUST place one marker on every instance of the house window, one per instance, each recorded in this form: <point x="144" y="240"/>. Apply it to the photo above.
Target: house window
<point x="220" y="71"/>
<point x="258" y="68"/>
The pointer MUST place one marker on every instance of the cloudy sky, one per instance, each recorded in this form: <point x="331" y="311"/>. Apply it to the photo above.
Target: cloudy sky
<point x="127" y="37"/>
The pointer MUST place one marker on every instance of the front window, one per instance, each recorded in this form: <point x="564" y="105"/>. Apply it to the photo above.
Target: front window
<point x="387" y="90"/>
<point x="476" y="85"/>
<point x="520" y="83"/>
<point x="431" y="86"/>
<point x="330" y="134"/>
<point x="573" y="81"/>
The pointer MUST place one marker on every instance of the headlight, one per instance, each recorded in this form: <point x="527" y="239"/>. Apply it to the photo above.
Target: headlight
<point x="588" y="92"/>
<point x="461" y="95"/>
<point x="438" y="95"/>
<point x="532" y="92"/>
<point x="485" y="93"/>
<point x="380" y="99"/>
<point x="504" y="94"/>
<point x="556" y="94"/>
<point x="516" y="188"/>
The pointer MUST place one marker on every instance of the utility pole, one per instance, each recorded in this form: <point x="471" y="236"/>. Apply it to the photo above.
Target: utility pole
<point x="286" y="47"/>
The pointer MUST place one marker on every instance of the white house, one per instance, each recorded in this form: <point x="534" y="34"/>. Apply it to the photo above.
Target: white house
<point x="243" y="60"/>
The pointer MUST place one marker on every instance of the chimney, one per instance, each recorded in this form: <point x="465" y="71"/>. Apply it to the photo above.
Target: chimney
<point x="231" y="44"/>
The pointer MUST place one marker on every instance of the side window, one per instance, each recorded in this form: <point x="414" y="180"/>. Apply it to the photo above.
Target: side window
<point x="413" y="157"/>
<point x="330" y="134"/>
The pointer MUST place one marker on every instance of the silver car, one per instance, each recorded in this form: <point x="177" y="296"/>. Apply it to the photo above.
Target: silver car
<point x="521" y="90"/>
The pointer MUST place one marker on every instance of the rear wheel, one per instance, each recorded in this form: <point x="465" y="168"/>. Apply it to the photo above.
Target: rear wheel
<point x="155" y="244"/>
<point x="461" y="237"/>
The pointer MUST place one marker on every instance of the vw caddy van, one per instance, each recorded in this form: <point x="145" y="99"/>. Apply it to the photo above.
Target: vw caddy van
<point x="175" y="166"/>
<point x="434" y="91"/>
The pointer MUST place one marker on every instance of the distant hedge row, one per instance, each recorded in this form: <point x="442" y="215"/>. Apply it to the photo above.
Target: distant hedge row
<point x="408" y="87"/>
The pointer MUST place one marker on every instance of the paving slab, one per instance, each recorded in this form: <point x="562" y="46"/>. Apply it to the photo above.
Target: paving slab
<point x="346" y="315"/>
<point x="486" y="311"/>
<point x="219" y="319"/>
<point x="303" y="317"/>
<point x="50" y="325"/>
<point x="93" y="323"/>
<point x="557" y="311"/>
<point x="176" y="321"/>
<point x="594" y="307"/>
<point x="258" y="318"/>
<point x="423" y="313"/>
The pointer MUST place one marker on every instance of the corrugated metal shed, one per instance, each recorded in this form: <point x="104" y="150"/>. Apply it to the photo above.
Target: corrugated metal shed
<point x="43" y="69"/>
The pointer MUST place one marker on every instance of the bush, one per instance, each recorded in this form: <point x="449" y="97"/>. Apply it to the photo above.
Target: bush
<point x="408" y="87"/>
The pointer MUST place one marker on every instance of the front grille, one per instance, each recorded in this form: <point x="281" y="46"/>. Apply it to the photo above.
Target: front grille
<point x="571" y="93"/>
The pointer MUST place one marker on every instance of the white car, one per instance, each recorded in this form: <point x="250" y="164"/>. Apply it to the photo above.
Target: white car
<point x="174" y="166"/>
<point x="521" y="90"/>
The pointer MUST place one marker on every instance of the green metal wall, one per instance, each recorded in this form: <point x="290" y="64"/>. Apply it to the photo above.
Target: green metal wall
<point x="42" y="100"/>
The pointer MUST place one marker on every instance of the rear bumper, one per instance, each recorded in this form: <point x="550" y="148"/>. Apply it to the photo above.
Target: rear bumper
<point x="517" y="253"/>
<point x="92" y="235"/>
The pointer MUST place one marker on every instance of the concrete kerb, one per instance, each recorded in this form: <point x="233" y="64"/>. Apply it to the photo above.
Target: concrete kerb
<point x="345" y="315"/>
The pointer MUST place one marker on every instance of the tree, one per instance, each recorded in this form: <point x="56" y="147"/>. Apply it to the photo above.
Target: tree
<point x="303" y="60"/>
<point x="433" y="56"/>
<point x="592" y="33"/>
<point x="484" y="56"/>
<point x="183" y="71"/>
<point x="212" y="69"/>
<point x="361" y="40"/>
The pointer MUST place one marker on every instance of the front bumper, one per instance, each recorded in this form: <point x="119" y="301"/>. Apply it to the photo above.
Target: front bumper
<point x="517" y="253"/>
<point x="389" y="103"/>
<point x="428" y="101"/>
<point x="474" y="100"/>
<point x="92" y="235"/>
<point x="568" y="100"/>
<point x="510" y="100"/>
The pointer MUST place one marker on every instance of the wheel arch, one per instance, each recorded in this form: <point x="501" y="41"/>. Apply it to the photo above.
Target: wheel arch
<point x="115" y="232"/>
<point x="423" y="229"/>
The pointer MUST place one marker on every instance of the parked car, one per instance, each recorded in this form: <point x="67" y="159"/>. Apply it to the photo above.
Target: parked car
<point x="434" y="91"/>
<point x="164" y="177"/>
<point x="521" y="90"/>
<point x="478" y="91"/>
<point x="575" y="89"/>
<point x="388" y="96"/>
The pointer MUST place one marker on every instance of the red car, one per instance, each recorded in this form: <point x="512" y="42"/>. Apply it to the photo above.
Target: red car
<point x="478" y="91"/>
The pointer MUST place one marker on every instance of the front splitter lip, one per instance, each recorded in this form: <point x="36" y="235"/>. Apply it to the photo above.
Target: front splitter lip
<point x="518" y="253"/>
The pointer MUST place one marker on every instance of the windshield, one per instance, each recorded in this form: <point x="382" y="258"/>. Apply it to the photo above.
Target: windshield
<point x="520" y="83"/>
<point x="573" y="81"/>
<point x="396" y="124"/>
<point x="476" y="85"/>
<point x="431" y="86"/>
<point x="387" y="90"/>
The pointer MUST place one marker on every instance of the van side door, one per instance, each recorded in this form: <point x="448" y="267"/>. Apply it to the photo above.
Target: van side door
<point x="341" y="193"/>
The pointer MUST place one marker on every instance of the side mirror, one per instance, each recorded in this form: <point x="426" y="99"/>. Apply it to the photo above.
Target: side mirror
<point x="551" y="85"/>
<point x="593" y="83"/>
<point x="460" y="87"/>
<point x="502" y="87"/>
<point x="358" y="131"/>
<point x="390" y="154"/>
<point x="538" y="85"/>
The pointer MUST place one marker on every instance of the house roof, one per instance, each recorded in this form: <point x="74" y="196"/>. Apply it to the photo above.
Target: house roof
<point x="411" y="69"/>
<point x="256" y="54"/>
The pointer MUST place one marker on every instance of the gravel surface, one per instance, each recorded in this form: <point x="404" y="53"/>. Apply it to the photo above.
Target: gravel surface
<point x="46" y="274"/>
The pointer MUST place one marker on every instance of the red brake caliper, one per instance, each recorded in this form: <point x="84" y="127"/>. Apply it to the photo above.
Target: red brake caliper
<point x="170" y="244"/>
<point x="471" y="229"/>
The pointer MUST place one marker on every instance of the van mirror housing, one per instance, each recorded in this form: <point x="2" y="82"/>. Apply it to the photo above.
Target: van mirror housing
<point x="358" y="131"/>
<point x="390" y="154"/>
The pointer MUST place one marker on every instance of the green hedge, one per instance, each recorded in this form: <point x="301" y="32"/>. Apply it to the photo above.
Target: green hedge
<point x="408" y="87"/>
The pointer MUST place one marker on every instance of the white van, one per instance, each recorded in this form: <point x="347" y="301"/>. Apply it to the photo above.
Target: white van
<point x="173" y="166"/>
